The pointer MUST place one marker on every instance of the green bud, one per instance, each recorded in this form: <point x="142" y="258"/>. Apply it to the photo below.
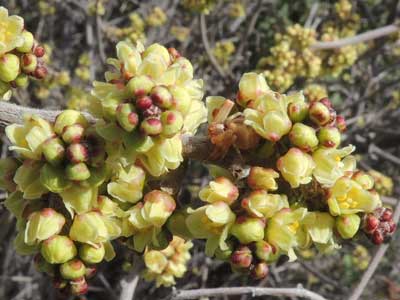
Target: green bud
<point x="73" y="133"/>
<point x="126" y="116"/>
<point x="22" y="80"/>
<point x="28" y="42"/>
<point x="297" y="111"/>
<point x="89" y="228"/>
<point x="319" y="113"/>
<point x="158" y="206"/>
<point x="58" y="249"/>
<point x="329" y="137"/>
<point x="151" y="126"/>
<point x="92" y="254"/>
<point x="266" y="251"/>
<point x="29" y="62"/>
<point x="161" y="97"/>
<point x="9" y="67"/>
<point x="109" y="108"/>
<point x="77" y="153"/>
<point x="53" y="150"/>
<point x="348" y="225"/>
<point x="140" y="85"/>
<point x="77" y="172"/>
<point x="72" y="269"/>
<point x="303" y="136"/>
<point x="42" y="225"/>
<point x="248" y="229"/>
<point x="172" y="122"/>
<point x="69" y="117"/>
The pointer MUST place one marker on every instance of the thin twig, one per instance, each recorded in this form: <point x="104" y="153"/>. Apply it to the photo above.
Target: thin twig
<point x="253" y="291"/>
<point x="214" y="62"/>
<point x="357" y="292"/>
<point x="129" y="287"/>
<point x="386" y="155"/>
<point x="363" y="37"/>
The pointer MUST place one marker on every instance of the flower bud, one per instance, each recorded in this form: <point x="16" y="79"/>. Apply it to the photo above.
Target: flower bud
<point x="143" y="103"/>
<point x="73" y="133"/>
<point x="79" y="286"/>
<point x="297" y="111"/>
<point x="158" y="206"/>
<point x="127" y="117"/>
<point x="28" y="42"/>
<point x="140" y="86"/>
<point x="172" y="122"/>
<point x="387" y="215"/>
<point x="92" y="254"/>
<point x="77" y="153"/>
<point x="40" y="72"/>
<point x="151" y="126"/>
<point x="341" y="123"/>
<point x="77" y="172"/>
<point x="348" y="225"/>
<point x="296" y="167"/>
<point x="89" y="228"/>
<point x="69" y="117"/>
<point x="260" y="271"/>
<point x="371" y="223"/>
<point x="251" y="86"/>
<point x="329" y="136"/>
<point x="43" y="225"/>
<point x="241" y="258"/>
<point x="155" y="261"/>
<point x="8" y="167"/>
<point x="53" y="150"/>
<point x="58" y="249"/>
<point x="261" y="204"/>
<point x="362" y="178"/>
<point x="378" y="237"/>
<point x="39" y="51"/>
<point x="161" y="97"/>
<point x="181" y="98"/>
<point x="90" y="271"/>
<point x="248" y="229"/>
<point x="9" y="67"/>
<point x="22" y="80"/>
<point x="29" y="63"/>
<point x="319" y="113"/>
<point x="265" y="251"/>
<point x="221" y="189"/>
<point x="72" y="269"/>
<point x="303" y="136"/>
<point x="262" y="178"/>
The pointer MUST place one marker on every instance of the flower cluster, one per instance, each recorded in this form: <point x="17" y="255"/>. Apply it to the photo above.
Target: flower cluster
<point x="19" y="55"/>
<point x="163" y="266"/>
<point x="199" y="6"/>
<point x="148" y="101"/>
<point x="301" y="190"/>
<point x="223" y="52"/>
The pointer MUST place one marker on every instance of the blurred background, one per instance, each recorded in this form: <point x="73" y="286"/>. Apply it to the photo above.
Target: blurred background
<point x="224" y="39"/>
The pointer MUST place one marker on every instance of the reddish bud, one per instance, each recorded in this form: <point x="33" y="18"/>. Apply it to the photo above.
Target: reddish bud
<point x="40" y="72"/>
<point x="341" y="123"/>
<point x="77" y="153"/>
<point x="241" y="257"/>
<point x="144" y="103"/>
<point x="39" y="51"/>
<point x="377" y="237"/>
<point x="387" y="215"/>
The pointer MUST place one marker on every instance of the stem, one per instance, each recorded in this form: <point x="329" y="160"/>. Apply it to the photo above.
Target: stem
<point x="253" y="291"/>
<point x="363" y="37"/>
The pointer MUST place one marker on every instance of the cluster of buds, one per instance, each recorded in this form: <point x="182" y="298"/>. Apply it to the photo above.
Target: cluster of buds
<point x="134" y="32"/>
<point x="19" y="55"/>
<point x="223" y="52"/>
<point x="163" y="266"/>
<point x="147" y="102"/>
<point x="199" y="6"/>
<point x="291" y="57"/>
<point x="379" y="225"/>
<point x="315" y="92"/>
<point x="157" y="17"/>
<point x="383" y="184"/>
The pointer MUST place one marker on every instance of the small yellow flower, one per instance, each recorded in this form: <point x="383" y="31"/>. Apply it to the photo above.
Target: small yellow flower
<point x="10" y="31"/>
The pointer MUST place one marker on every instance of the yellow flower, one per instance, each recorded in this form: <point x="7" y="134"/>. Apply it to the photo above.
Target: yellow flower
<point x="296" y="167"/>
<point x="330" y="166"/>
<point x="221" y="189"/>
<point x="10" y="31"/>
<point x="348" y="197"/>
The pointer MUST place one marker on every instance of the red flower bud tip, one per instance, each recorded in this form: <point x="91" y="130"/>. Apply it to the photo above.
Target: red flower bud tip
<point x="144" y="103"/>
<point x="371" y="224"/>
<point x="39" y="51"/>
<point x="47" y="212"/>
<point x="151" y="126"/>
<point x="260" y="271"/>
<point x="341" y="123"/>
<point x="73" y="133"/>
<point x="377" y="237"/>
<point x="326" y="102"/>
<point x="90" y="271"/>
<point x="273" y="137"/>
<point x="40" y="72"/>
<point x="245" y="202"/>
<point x="77" y="153"/>
<point x="79" y="286"/>
<point x="387" y="215"/>
<point x="242" y="257"/>
<point x="174" y="54"/>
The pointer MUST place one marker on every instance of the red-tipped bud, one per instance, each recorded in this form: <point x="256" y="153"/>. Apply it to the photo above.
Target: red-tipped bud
<point x="241" y="257"/>
<point x="341" y="123"/>
<point x="387" y="215"/>
<point x="378" y="237"/>
<point x="126" y="116"/>
<point x="371" y="223"/>
<point x="79" y="286"/>
<point x="151" y="126"/>
<point x="77" y="153"/>
<point x="29" y="63"/>
<point x="260" y="271"/>
<point x="319" y="113"/>
<point x="40" y="72"/>
<point x="173" y="53"/>
<point x="144" y="103"/>
<point x="73" y="133"/>
<point x="161" y="97"/>
<point x="326" y="102"/>
<point x="39" y="51"/>
<point x="329" y="137"/>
